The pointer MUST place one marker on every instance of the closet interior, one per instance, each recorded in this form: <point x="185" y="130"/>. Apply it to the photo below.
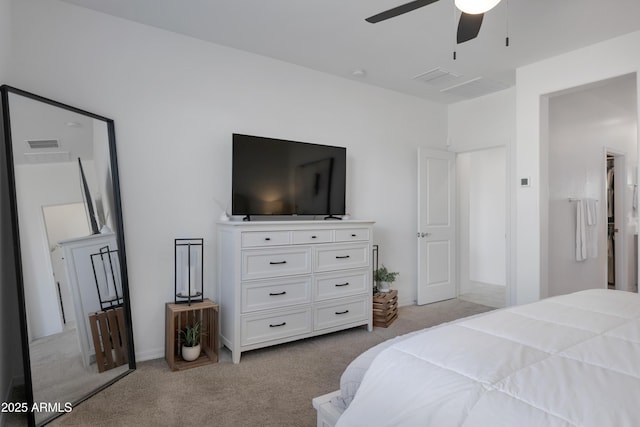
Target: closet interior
<point x="611" y="225"/>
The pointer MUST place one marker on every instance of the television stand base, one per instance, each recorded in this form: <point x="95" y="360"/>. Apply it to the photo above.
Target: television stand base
<point x="332" y="217"/>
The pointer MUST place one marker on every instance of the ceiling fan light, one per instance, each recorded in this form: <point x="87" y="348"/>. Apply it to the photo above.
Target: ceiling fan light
<point x="474" y="7"/>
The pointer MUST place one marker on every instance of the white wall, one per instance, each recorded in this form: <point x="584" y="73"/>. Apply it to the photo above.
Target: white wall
<point x="484" y="122"/>
<point x="5" y="39"/>
<point x="176" y="101"/>
<point x="63" y="222"/>
<point x="583" y="125"/>
<point x="597" y="62"/>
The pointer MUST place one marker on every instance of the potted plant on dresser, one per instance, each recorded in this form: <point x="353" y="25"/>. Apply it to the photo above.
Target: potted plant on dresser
<point x="384" y="278"/>
<point x="191" y="342"/>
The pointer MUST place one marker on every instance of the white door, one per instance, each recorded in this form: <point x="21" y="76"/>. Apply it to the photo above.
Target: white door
<point x="436" y="225"/>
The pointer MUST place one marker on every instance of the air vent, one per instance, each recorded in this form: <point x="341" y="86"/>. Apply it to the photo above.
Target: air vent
<point x="37" y="144"/>
<point x="47" y="157"/>
<point x="437" y="77"/>
<point x="474" y="88"/>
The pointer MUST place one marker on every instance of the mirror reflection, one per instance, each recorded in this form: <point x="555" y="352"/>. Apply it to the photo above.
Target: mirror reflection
<point x="70" y="260"/>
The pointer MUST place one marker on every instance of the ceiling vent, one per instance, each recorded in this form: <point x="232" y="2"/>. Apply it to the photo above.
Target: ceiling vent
<point x="474" y="88"/>
<point x="47" y="157"/>
<point x="437" y="77"/>
<point x="37" y="144"/>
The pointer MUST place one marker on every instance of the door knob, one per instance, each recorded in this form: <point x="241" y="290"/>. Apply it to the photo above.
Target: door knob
<point x="424" y="234"/>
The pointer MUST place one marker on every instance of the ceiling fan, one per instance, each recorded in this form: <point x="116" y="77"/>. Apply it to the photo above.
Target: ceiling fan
<point x="468" y="25"/>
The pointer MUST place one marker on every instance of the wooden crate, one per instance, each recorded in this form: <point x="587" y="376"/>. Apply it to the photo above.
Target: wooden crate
<point x="109" y="338"/>
<point x="180" y="315"/>
<point x="385" y="308"/>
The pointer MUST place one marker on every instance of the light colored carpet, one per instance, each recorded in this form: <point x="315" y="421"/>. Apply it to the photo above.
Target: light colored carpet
<point x="485" y="294"/>
<point x="270" y="387"/>
<point x="58" y="373"/>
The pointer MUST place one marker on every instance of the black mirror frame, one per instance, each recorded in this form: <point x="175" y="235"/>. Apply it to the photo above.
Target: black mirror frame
<point x="5" y="90"/>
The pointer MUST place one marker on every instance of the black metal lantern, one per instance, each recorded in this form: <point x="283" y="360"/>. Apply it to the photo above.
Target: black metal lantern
<point x="189" y="269"/>
<point x="106" y="272"/>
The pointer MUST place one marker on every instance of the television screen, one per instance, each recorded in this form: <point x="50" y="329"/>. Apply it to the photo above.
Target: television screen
<point x="278" y="177"/>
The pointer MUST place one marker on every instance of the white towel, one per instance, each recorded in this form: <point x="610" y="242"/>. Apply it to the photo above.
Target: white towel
<point x="581" y="231"/>
<point x="591" y="211"/>
<point x="592" y="229"/>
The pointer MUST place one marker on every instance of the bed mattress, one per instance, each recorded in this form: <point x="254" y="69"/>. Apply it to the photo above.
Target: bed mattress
<point x="571" y="360"/>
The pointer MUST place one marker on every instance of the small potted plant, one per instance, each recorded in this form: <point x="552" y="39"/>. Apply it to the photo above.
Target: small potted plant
<point x="384" y="278"/>
<point x="191" y="342"/>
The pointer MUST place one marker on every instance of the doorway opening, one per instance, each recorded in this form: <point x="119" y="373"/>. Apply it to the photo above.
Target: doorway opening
<point x="481" y="177"/>
<point x="616" y="182"/>
<point x="591" y="164"/>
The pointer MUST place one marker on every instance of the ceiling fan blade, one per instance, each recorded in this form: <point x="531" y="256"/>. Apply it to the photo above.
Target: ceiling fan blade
<point x="399" y="10"/>
<point x="469" y="26"/>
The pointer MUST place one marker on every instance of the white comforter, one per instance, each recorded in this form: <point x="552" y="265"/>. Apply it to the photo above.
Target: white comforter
<point x="572" y="360"/>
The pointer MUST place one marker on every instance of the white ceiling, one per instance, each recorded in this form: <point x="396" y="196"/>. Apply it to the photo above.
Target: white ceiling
<point x="34" y="120"/>
<point x="332" y="36"/>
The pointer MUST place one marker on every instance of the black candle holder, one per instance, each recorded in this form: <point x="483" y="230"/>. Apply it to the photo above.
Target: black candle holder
<point x="106" y="272"/>
<point x="189" y="270"/>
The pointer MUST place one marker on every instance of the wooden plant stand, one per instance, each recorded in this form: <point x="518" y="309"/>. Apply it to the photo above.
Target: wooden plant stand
<point x="180" y="315"/>
<point x="385" y="308"/>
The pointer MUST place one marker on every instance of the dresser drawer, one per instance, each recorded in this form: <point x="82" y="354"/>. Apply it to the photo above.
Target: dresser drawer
<point x="251" y="239"/>
<point x="311" y="236"/>
<point x="352" y="234"/>
<point x="257" y="329"/>
<point x="341" y="284"/>
<point x="275" y="293"/>
<point x="259" y="264"/>
<point x="340" y="313"/>
<point x="340" y="257"/>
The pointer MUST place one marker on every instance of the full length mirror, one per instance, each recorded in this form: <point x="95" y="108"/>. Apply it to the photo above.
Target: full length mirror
<point x="76" y="321"/>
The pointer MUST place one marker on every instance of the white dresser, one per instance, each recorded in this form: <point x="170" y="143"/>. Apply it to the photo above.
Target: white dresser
<point x="281" y="281"/>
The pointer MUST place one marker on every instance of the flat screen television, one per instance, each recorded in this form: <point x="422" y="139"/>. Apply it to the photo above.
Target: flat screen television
<point x="278" y="177"/>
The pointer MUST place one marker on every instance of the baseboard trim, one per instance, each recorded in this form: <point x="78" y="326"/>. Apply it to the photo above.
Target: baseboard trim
<point x="150" y="355"/>
<point x="405" y="302"/>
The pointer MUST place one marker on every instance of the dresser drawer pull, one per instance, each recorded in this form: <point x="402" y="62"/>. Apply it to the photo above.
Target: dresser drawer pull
<point x="354" y="235"/>
<point x="278" y="325"/>
<point x="273" y="294"/>
<point x="342" y="312"/>
<point x="267" y="238"/>
<point x="342" y="256"/>
<point x="314" y="237"/>
<point x="277" y="262"/>
<point x="342" y="284"/>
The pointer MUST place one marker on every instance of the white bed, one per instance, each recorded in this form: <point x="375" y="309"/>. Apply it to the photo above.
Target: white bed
<point x="572" y="360"/>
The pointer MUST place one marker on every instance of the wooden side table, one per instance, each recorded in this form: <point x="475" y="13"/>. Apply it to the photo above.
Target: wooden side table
<point x="180" y="315"/>
<point x="385" y="308"/>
